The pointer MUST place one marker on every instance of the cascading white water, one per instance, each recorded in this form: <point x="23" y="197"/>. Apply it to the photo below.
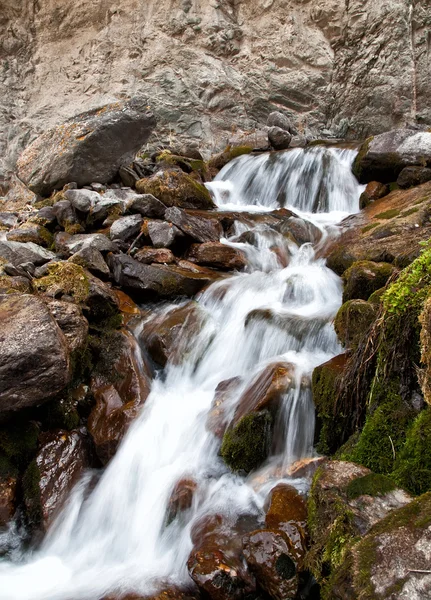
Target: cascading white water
<point x="115" y="538"/>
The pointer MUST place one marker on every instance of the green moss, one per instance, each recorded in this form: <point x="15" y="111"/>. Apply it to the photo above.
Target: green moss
<point x="369" y="227"/>
<point x="175" y="188"/>
<point x="332" y="425"/>
<point x="340" y="260"/>
<point x="409" y="212"/>
<point x="376" y="297"/>
<point x="413" y="465"/>
<point x="247" y="445"/>
<point x="64" y="278"/>
<point x="373" y="484"/>
<point x="365" y="277"/>
<point x="393" y="186"/>
<point x="229" y="153"/>
<point x="353" y="320"/>
<point x="388" y="214"/>
<point x="357" y="164"/>
<point x="383" y="435"/>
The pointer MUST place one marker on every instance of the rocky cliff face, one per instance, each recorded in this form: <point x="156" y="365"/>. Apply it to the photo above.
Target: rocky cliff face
<point x="212" y="68"/>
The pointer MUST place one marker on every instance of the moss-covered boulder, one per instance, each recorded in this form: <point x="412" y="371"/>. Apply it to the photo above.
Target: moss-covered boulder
<point x="391" y="561"/>
<point x="218" y="161"/>
<point x="340" y="259"/>
<point x="365" y="277"/>
<point x="247" y="445"/>
<point x="353" y="320"/>
<point x="345" y="501"/>
<point x="332" y="425"/>
<point x="176" y="188"/>
<point x="412" y="467"/>
<point x="31" y="232"/>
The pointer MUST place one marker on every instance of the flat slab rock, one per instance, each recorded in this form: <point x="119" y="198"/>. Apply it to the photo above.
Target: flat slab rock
<point x="34" y="354"/>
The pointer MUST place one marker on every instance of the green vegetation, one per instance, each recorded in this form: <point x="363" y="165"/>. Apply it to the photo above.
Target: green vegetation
<point x="247" y="445"/>
<point x="370" y="485"/>
<point x="388" y="214"/>
<point x="413" y="464"/>
<point x="369" y="227"/>
<point x="64" y="278"/>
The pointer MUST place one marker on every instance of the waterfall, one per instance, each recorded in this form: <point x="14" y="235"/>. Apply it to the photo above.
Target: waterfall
<point x="114" y="536"/>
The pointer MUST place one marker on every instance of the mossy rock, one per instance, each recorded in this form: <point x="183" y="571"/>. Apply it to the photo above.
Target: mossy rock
<point x="64" y="278"/>
<point x="339" y="260"/>
<point x="376" y="297"/>
<point x="372" y="484"/>
<point x="188" y="165"/>
<point x="247" y="445"/>
<point x="217" y="162"/>
<point x="353" y="321"/>
<point x="176" y="188"/>
<point x="413" y="463"/>
<point x="383" y="436"/>
<point x="332" y="426"/>
<point x="357" y="163"/>
<point x="365" y="277"/>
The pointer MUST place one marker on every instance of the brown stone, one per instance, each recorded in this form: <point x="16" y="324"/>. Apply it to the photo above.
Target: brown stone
<point x="8" y="488"/>
<point x="217" y="419"/>
<point x="217" y="255"/>
<point x="200" y="228"/>
<point x="372" y="192"/>
<point x="181" y="498"/>
<point x="149" y="255"/>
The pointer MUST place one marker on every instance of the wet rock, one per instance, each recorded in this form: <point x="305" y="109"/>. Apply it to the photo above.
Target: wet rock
<point x="384" y="156"/>
<point x="152" y="281"/>
<point x="176" y="188"/>
<point x="126" y="228"/>
<point x="8" y="499"/>
<point x="199" y="228"/>
<point x="91" y="259"/>
<point x="217" y="420"/>
<point x="82" y="200"/>
<point x="31" y="232"/>
<point x="170" y="337"/>
<point x="171" y="593"/>
<point x="163" y="235"/>
<point x="279" y="138"/>
<point x="365" y="277"/>
<point x="17" y="253"/>
<point x="217" y="255"/>
<point x="393" y="558"/>
<point x="147" y="206"/>
<point x="34" y="354"/>
<point x="353" y="320"/>
<point x="268" y="557"/>
<point x="67" y="217"/>
<point x="181" y="498"/>
<point x="372" y="192"/>
<point x="302" y="231"/>
<point x="333" y="427"/>
<point x="247" y="444"/>
<point x="346" y="500"/>
<point x="218" y="161"/>
<point x="81" y="149"/>
<point x="101" y="303"/>
<point x="287" y="512"/>
<point x="411" y="176"/>
<point x="120" y="386"/>
<point x="149" y="255"/>
<point x="60" y="462"/>
<point x="266" y="390"/>
<point x="216" y="563"/>
<point x="71" y="322"/>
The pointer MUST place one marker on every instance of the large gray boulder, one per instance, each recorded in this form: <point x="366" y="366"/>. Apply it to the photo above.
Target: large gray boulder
<point x="34" y="353"/>
<point x="18" y="253"/>
<point x="87" y="148"/>
<point x="383" y="157"/>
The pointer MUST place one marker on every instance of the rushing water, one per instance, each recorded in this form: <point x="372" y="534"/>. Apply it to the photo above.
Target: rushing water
<point x="115" y="538"/>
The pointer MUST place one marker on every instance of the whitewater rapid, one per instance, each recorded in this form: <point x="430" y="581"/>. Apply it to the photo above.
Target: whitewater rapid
<point x="115" y="538"/>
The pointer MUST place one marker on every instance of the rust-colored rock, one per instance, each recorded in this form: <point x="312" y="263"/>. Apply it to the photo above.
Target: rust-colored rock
<point x="7" y="499"/>
<point x="148" y="255"/>
<point x="217" y="417"/>
<point x="217" y="255"/>
<point x="119" y="394"/>
<point x="181" y="498"/>
<point x="372" y="192"/>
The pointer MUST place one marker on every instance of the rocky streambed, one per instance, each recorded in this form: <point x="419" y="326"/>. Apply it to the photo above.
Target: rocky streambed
<point x="158" y="356"/>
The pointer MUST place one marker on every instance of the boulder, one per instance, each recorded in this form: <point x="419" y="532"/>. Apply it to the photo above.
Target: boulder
<point x="301" y="230"/>
<point x="8" y="220"/>
<point x="217" y="420"/>
<point x="71" y="244"/>
<point x="34" y="353"/>
<point x="156" y="281"/>
<point x="175" y="188"/>
<point x="181" y="498"/>
<point x="120" y="385"/>
<point x="61" y="461"/>
<point x="170" y="336"/>
<point x="91" y="259"/>
<point x="218" y="161"/>
<point x="90" y="147"/>
<point x="199" y="228"/>
<point x="278" y="119"/>
<point x="126" y="228"/>
<point x="217" y="255"/>
<point x="17" y="253"/>
<point x="163" y="235"/>
<point x="372" y="192"/>
<point x="384" y="156"/>
<point x="279" y="138"/>
<point x="353" y="320"/>
<point x="67" y="217"/>
<point x="411" y="176"/>
<point x="365" y="277"/>
<point x="71" y="322"/>
<point x="82" y="200"/>
<point x="149" y="255"/>
<point x="8" y="499"/>
<point x="268" y="557"/>
<point x="31" y="232"/>
<point x="147" y="206"/>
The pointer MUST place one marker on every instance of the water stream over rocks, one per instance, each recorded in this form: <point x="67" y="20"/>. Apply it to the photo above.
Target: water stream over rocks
<point x="113" y="535"/>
